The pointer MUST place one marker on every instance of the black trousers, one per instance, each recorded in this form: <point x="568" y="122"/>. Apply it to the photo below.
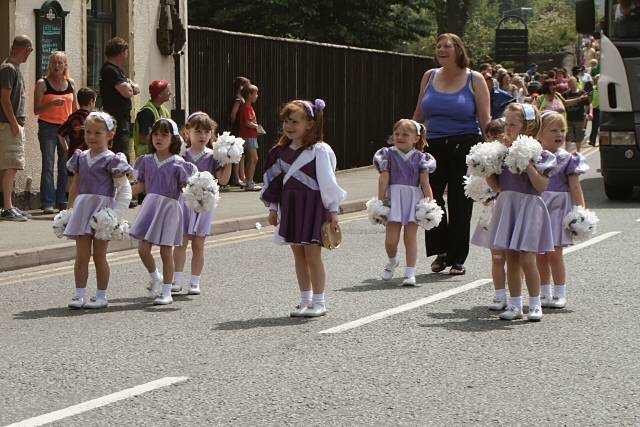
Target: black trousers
<point x="122" y="138"/>
<point x="452" y="235"/>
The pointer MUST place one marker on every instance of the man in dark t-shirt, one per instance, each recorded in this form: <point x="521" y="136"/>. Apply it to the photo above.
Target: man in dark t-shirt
<point x="116" y="90"/>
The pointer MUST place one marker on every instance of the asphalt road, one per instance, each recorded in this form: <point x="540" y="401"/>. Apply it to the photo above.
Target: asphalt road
<point x="446" y="362"/>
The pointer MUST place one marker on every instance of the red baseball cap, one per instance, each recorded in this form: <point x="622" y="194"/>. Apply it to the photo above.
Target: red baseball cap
<point x="157" y="86"/>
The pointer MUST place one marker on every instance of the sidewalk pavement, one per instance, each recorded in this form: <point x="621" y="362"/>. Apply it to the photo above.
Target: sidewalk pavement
<point x="32" y="243"/>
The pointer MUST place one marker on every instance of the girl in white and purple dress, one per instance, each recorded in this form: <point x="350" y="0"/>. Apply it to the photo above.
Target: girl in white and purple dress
<point x="92" y="190"/>
<point x="197" y="226"/>
<point x="301" y="192"/>
<point x="521" y="226"/>
<point x="403" y="182"/>
<point x="563" y="192"/>
<point x="161" y="175"/>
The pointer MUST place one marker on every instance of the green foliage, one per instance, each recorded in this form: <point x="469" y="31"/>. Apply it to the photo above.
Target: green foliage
<point x="375" y="24"/>
<point x="552" y="26"/>
<point x="480" y="32"/>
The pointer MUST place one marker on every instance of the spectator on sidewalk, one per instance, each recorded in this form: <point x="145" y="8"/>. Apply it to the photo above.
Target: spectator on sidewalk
<point x="116" y="91"/>
<point x="249" y="132"/>
<point x="521" y="89"/>
<point x="576" y="115"/>
<point x="595" y="103"/>
<point x="151" y="112"/>
<point x="499" y="99"/>
<point x="54" y="100"/>
<point x="12" y="119"/>
<point x="454" y="105"/>
<point x="588" y="53"/>
<point x="234" y="124"/>
<point x="551" y="100"/>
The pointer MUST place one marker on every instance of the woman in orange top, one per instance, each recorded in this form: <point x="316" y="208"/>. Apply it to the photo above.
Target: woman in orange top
<point x="54" y="101"/>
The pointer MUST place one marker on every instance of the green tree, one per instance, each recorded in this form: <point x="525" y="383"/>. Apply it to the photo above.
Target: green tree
<point x="480" y="32"/>
<point x="552" y="26"/>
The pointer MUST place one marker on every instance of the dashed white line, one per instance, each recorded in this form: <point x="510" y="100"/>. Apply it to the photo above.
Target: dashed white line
<point x="96" y="403"/>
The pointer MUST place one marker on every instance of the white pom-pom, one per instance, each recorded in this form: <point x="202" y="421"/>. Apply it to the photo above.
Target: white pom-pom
<point x="202" y="192"/>
<point x="523" y="151"/>
<point x="477" y="189"/>
<point x="581" y="223"/>
<point x="60" y="222"/>
<point x="107" y="225"/>
<point x="377" y="211"/>
<point x="428" y="214"/>
<point x="486" y="212"/>
<point x="258" y="226"/>
<point x="485" y="158"/>
<point x="228" y="148"/>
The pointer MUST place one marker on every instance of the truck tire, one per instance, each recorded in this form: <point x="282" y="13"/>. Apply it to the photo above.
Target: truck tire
<point x="618" y="192"/>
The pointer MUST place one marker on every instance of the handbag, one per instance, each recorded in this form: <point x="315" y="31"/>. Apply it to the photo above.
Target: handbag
<point x="260" y="131"/>
<point x="331" y="235"/>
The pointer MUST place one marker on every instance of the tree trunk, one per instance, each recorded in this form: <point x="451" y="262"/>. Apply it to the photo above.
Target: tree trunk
<point x="451" y="16"/>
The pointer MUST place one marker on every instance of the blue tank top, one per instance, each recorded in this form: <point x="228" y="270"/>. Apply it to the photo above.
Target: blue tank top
<point x="450" y="114"/>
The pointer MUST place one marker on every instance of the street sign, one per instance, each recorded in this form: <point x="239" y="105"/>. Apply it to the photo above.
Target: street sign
<point x="512" y="44"/>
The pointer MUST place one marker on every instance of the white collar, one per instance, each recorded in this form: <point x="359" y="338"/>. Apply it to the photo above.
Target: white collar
<point x="198" y="156"/>
<point x="405" y="156"/>
<point x="159" y="163"/>
<point x="92" y="160"/>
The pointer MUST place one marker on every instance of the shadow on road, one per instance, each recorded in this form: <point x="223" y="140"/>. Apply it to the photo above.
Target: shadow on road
<point x="261" y="322"/>
<point x="395" y="283"/>
<point x="144" y="305"/>
<point x="593" y="189"/>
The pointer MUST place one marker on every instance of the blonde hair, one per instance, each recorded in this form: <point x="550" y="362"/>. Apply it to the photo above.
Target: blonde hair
<point x="529" y="127"/>
<point x="550" y="118"/>
<point x="50" y="65"/>
<point x="91" y="119"/>
<point x="413" y="125"/>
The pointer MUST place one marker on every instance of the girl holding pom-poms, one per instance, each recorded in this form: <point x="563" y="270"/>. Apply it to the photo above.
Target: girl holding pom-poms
<point x="404" y="182"/>
<point x="97" y="173"/>
<point x="302" y="193"/>
<point x="161" y="175"/>
<point x="200" y="129"/>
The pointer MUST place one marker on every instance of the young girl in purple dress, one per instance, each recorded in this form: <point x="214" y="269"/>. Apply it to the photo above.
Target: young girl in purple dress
<point x="520" y="223"/>
<point x="403" y="182"/>
<point x="197" y="226"/>
<point x="161" y="175"/>
<point x="301" y="192"/>
<point x="92" y="190"/>
<point x="563" y="192"/>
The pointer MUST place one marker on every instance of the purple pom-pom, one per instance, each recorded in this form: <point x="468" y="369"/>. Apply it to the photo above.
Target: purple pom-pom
<point x="319" y="104"/>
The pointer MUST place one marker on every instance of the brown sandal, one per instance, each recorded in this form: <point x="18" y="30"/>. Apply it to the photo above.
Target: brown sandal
<point x="457" y="270"/>
<point x="439" y="264"/>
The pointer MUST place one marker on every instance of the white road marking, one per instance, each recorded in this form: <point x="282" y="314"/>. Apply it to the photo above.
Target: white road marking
<point x="96" y="403"/>
<point x="442" y="295"/>
<point x="591" y="152"/>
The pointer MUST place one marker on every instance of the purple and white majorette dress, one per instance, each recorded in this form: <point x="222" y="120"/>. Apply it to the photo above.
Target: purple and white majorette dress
<point x="557" y="195"/>
<point x="520" y="220"/>
<point x="199" y="224"/>
<point x="404" y="169"/>
<point x="301" y="184"/>
<point x="160" y="220"/>
<point x="96" y="190"/>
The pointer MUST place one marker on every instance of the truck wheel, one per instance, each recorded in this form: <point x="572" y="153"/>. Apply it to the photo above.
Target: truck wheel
<point x="618" y="193"/>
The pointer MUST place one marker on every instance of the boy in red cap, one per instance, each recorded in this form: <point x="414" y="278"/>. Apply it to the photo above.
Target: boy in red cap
<point x="151" y="111"/>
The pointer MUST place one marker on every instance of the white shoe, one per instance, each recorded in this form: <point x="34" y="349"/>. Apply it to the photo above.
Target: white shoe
<point x="154" y="288"/>
<point x="96" y="302"/>
<point x="163" y="300"/>
<point x="409" y="281"/>
<point x="512" y="313"/>
<point x="546" y="300"/>
<point x="299" y="310"/>
<point x="535" y="313"/>
<point x="316" y="310"/>
<point x="498" y="304"/>
<point x="76" y="303"/>
<point x="558" y="302"/>
<point x="175" y="288"/>
<point x="194" y="289"/>
<point x="389" y="268"/>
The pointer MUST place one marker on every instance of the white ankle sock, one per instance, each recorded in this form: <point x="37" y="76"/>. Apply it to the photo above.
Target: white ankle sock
<point x="318" y="298"/>
<point x="81" y="292"/>
<point x="393" y="261"/>
<point x="166" y="289"/>
<point x="561" y="291"/>
<point x="534" y="301"/>
<point x="409" y="272"/>
<point x="101" y="294"/>
<point x="546" y="290"/>
<point x="501" y="294"/>
<point x="517" y="301"/>
<point x="155" y="276"/>
<point x="306" y="297"/>
<point x="178" y="277"/>
<point x="195" y="280"/>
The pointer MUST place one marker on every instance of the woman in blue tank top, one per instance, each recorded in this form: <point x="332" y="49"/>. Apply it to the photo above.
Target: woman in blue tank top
<point x="454" y="106"/>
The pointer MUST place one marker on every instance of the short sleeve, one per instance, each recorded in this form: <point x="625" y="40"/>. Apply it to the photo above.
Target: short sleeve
<point x="140" y="167"/>
<point x="547" y="164"/>
<point x="145" y="120"/>
<point x="381" y="159"/>
<point x="427" y="163"/>
<point x="577" y="165"/>
<point x="111" y="76"/>
<point x="332" y="194"/>
<point x="118" y="165"/>
<point x="64" y="128"/>
<point x="185" y="171"/>
<point x="73" y="164"/>
<point x="7" y="77"/>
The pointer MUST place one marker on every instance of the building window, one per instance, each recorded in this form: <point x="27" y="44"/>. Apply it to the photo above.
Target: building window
<point x="101" y="27"/>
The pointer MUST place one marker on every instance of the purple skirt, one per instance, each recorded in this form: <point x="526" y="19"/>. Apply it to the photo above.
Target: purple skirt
<point x="301" y="216"/>
<point x="403" y="200"/>
<point x="84" y="207"/>
<point x="159" y="221"/>
<point x="195" y="224"/>
<point x="481" y="237"/>
<point x="559" y="204"/>
<point x="520" y="222"/>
